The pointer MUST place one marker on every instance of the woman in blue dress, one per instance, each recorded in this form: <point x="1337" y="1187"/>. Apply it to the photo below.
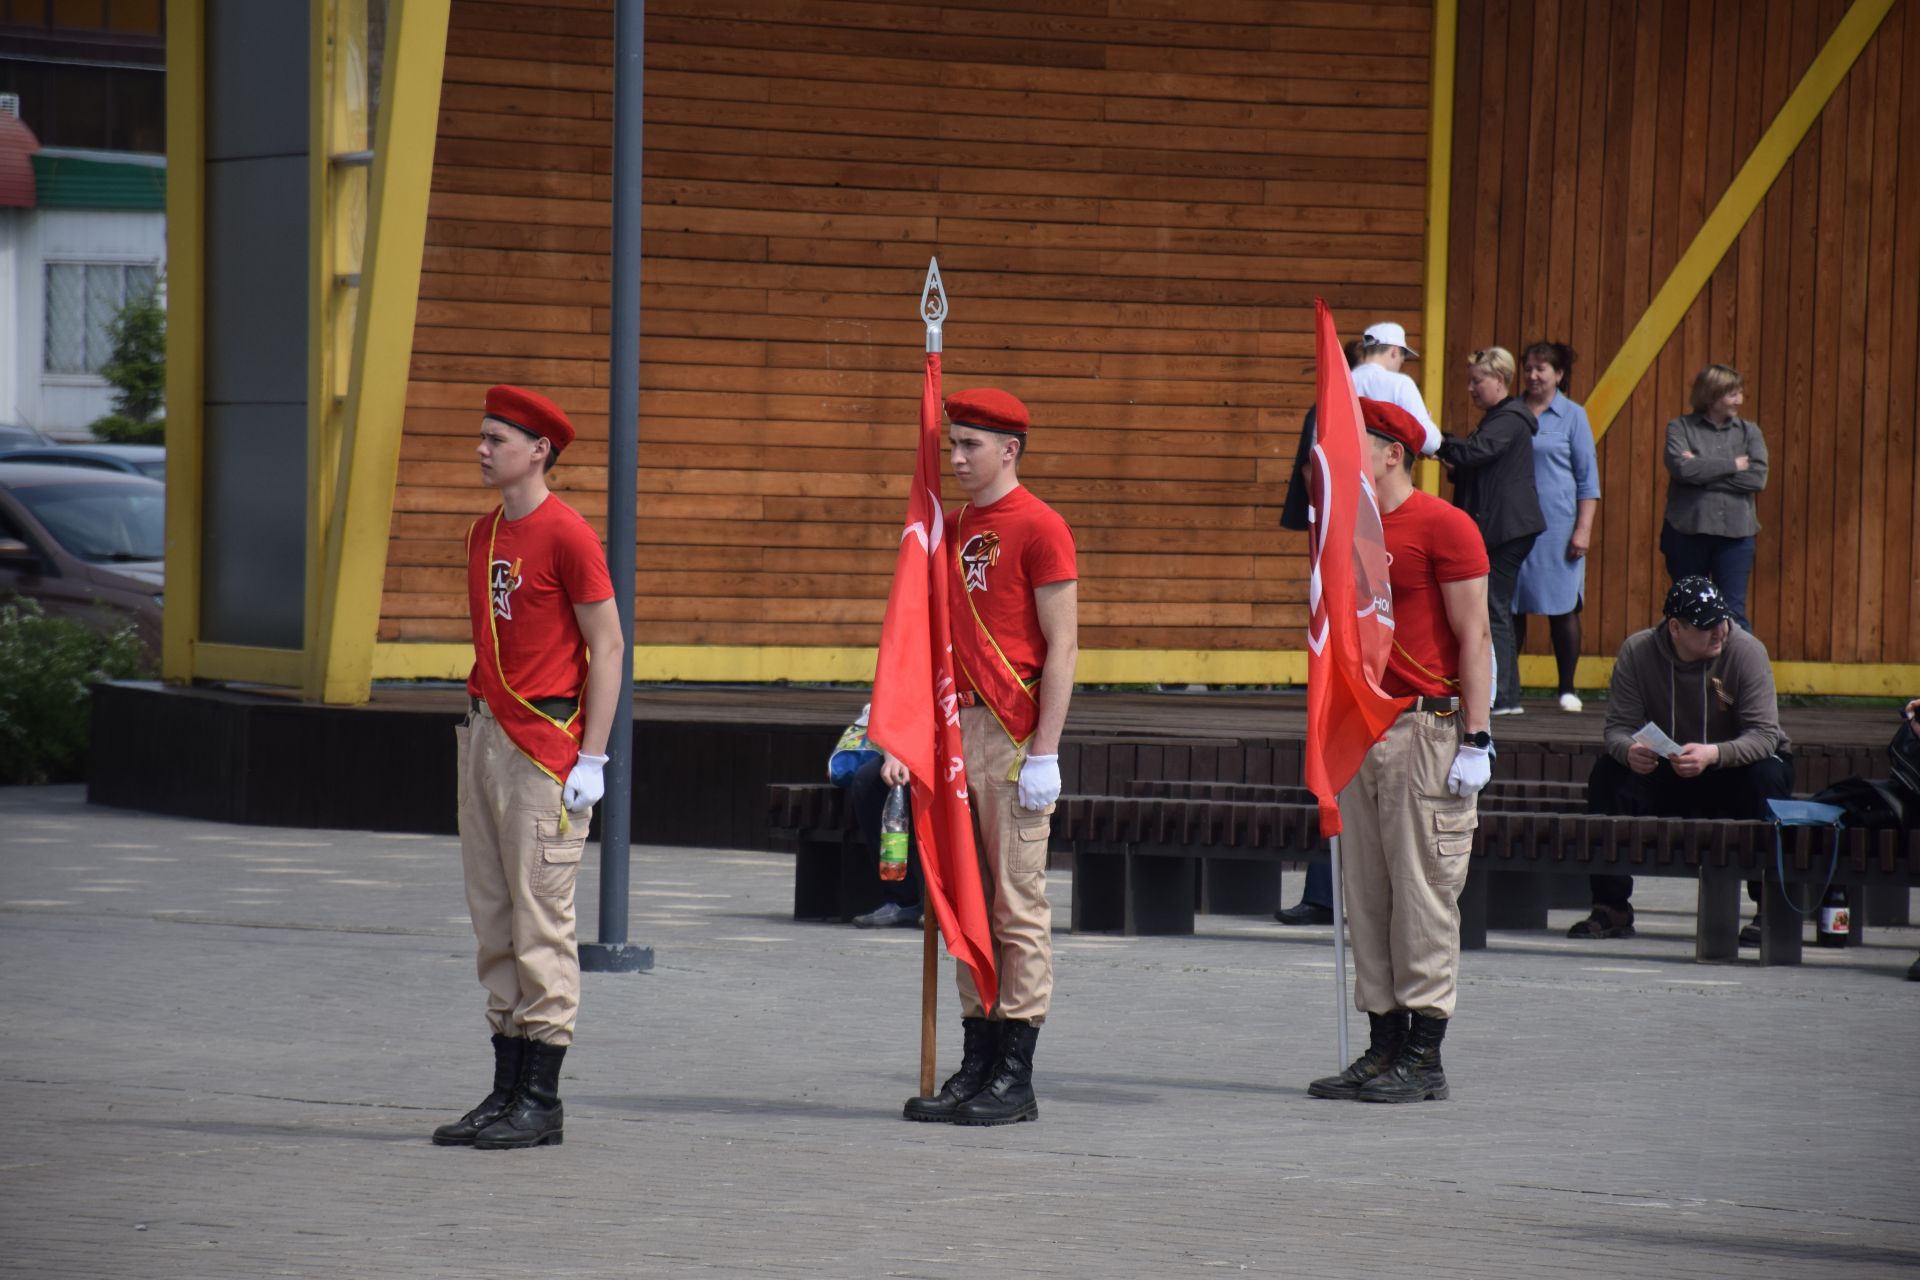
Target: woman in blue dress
<point x="1553" y="578"/>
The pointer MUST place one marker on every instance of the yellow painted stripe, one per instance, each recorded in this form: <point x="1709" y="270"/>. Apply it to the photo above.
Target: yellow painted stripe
<point x="744" y="664"/>
<point x="1827" y="679"/>
<point x="1730" y="215"/>
<point x="750" y="665"/>
<point x="1433" y="372"/>
<point x="362" y="509"/>
<point x="186" y="311"/>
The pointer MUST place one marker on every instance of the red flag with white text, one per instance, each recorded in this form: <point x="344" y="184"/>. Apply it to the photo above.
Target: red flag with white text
<point x="1351" y="630"/>
<point x="916" y="709"/>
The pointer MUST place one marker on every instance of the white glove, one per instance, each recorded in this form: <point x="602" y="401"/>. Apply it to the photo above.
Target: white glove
<point x="586" y="783"/>
<point x="1472" y="769"/>
<point x="1039" y="782"/>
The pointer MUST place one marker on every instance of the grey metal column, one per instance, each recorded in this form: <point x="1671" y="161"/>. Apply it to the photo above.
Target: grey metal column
<point x="613" y="953"/>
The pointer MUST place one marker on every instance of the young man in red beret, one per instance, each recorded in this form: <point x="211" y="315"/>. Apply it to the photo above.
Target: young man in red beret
<point x="530" y="759"/>
<point x="1015" y="642"/>
<point x="1408" y="816"/>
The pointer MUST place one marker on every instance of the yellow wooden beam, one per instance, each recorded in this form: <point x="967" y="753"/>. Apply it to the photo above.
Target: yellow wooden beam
<point x="337" y="194"/>
<point x="186" y="339"/>
<point x="1433" y="370"/>
<point x="248" y="664"/>
<point x="1722" y="227"/>
<point x="362" y="507"/>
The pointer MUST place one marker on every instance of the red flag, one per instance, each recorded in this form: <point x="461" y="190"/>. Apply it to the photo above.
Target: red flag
<point x="1351" y="631"/>
<point x="916" y="711"/>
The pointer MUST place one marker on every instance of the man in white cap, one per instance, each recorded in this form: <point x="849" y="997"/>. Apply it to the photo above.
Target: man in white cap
<point x="1383" y="350"/>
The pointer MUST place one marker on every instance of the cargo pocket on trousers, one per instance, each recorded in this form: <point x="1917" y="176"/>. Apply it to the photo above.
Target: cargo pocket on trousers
<point x="462" y="736"/>
<point x="559" y="862"/>
<point x="1028" y="857"/>
<point x="1452" y="841"/>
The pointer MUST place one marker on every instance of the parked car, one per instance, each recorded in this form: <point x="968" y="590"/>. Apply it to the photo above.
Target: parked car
<point x="86" y="545"/>
<point x="149" y="460"/>
<point x="14" y="437"/>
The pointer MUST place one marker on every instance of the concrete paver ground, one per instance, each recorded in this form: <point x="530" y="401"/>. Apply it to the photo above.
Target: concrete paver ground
<point x="225" y="1048"/>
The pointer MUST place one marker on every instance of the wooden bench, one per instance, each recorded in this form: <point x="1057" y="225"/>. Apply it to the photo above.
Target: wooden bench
<point x="1132" y="860"/>
<point x="1140" y="861"/>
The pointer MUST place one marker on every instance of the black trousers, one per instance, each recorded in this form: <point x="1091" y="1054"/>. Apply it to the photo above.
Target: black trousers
<point x="1504" y="563"/>
<point x="1741" y="792"/>
<point x="869" y="797"/>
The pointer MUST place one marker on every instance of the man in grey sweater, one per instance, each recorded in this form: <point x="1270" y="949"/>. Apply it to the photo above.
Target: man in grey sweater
<point x="1708" y="686"/>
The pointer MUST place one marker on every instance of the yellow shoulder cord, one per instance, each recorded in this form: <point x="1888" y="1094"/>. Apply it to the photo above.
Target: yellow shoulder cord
<point x="1452" y="682"/>
<point x="493" y="628"/>
<point x="1019" y="745"/>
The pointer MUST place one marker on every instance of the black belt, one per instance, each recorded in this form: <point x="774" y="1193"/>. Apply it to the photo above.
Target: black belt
<point x="1437" y="706"/>
<point x="560" y="709"/>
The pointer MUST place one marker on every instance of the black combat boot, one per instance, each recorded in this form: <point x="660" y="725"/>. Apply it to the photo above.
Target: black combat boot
<point x="508" y="1054"/>
<point x="1414" y="1075"/>
<point x="1387" y="1032"/>
<point x="534" y="1118"/>
<point x="976" y="1062"/>
<point x="1008" y="1096"/>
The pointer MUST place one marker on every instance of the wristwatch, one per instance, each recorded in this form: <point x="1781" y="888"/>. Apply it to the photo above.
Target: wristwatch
<point x="1482" y="740"/>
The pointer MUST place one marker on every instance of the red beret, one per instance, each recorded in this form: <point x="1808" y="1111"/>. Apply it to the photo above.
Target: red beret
<point x="1395" y="423"/>
<point x="988" y="410"/>
<point x="531" y="412"/>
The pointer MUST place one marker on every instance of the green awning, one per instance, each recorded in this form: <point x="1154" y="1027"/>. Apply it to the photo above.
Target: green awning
<point x="73" y="182"/>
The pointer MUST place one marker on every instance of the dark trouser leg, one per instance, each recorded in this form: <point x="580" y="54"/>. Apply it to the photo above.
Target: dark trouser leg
<point x="1614" y="788"/>
<point x="1504" y="563"/>
<point x="1319" y="888"/>
<point x="1732" y="567"/>
<point x="868" y="795"/>
<point x="1565" y="630"/>
<point x="1688" y="555"/>
<point x="1743" y="792"/>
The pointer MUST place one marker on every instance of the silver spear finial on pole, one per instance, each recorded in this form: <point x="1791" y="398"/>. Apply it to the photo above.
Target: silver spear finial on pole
<point x="933" y="304"/>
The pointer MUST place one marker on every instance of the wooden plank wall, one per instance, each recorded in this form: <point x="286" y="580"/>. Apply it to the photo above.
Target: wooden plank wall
<point x="1134" y="203"/>
<point x="1593" y="137"/>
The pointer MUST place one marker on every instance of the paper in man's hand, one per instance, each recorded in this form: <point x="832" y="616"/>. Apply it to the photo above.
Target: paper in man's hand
<point x="1654" y="738"/>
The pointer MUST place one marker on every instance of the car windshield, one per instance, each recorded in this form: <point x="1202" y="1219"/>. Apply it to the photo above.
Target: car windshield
<point x="101" y="522"/>
<point x="154" y="470"/>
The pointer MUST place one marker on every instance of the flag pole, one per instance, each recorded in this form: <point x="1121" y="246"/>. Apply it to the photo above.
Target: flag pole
<point x="933" y="310"/>
<point x="1339" y="961"/>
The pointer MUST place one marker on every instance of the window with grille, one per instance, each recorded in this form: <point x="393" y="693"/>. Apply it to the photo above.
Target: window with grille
<point x="82" y="300"/>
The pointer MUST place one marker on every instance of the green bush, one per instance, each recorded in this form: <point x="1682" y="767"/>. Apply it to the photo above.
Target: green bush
<point x="118" y="428"/>
<point x="48" y="667"/>
<point x="138" y="366"/>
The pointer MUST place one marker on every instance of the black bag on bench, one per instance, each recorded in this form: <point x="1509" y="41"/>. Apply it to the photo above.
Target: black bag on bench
<point x="1904" y="755"/>
<point x="1872" y="803"/>
<point x="1883" y="804"/>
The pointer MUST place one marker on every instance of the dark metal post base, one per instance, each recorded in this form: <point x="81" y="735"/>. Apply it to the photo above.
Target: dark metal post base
<point x="614" y="957"/>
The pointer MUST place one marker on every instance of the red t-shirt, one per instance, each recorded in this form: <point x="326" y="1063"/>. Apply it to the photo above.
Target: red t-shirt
<point x="1006" y="550"/>
<point x="542" y="565"/>
<point x="1428" y="542"/>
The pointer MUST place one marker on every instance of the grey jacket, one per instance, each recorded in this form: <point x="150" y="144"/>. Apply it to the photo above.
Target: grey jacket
<point x="1707" y="494"/>
<point x="1726" y="701"/>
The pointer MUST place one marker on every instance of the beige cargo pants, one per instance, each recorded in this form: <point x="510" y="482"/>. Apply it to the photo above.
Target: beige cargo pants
<point x="1403" y="862"/>
<point x="1012" y="847"/>
<point x="520" y="870"/>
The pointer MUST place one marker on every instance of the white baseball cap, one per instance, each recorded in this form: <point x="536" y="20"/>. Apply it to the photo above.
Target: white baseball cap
<point x="1389" y="334"/>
